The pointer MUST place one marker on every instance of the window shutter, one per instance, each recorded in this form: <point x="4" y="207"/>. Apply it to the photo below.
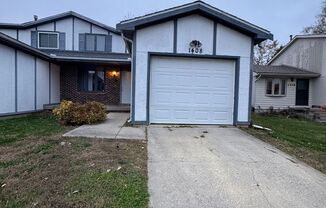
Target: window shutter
<point x="82" y="42"/>
<point x="62" y="41"/>
<point x="34" y="39"/>
<point x="108" y="43"/>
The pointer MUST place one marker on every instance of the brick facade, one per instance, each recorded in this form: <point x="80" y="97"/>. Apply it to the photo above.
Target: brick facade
<point x="69" y="88"/>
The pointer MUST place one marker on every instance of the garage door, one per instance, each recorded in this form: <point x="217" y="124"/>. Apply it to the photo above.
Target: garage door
<point x="191" y="91"/>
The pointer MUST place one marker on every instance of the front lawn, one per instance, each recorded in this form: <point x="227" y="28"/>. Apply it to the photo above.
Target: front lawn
<point x="302" y="138"/>
<point x="39" y="168"/>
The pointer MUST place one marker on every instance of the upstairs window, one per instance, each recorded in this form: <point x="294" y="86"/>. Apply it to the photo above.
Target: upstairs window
<point x="275" y="87"/>
<point x="95" y="42"/>
<point x="48" y="40"/>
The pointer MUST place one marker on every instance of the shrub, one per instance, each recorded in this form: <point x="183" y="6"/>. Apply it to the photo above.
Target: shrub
<point x="71" y="113"/>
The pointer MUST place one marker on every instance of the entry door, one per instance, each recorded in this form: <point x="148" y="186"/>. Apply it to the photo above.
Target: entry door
<point x="191" y="91"/>
<point x="302" y="94"/>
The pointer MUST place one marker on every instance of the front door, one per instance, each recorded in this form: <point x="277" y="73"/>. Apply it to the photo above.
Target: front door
<point x="302" y="94"/>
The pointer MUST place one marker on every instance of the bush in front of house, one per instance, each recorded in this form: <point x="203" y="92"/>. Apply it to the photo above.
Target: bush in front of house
<point x="70" y="113"/>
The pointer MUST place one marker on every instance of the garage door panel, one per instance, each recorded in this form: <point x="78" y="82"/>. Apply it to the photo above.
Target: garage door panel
<point x="191" y="91"/>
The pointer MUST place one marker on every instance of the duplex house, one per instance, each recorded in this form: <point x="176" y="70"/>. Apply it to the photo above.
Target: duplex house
<point x="190" y="64"/>
<point x="295" y="77"/>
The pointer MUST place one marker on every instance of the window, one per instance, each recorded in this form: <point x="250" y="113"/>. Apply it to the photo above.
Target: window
<point x="48" y="40"/>
<point x="95" y="42"/>
<point x="275" y="87"/>
<point x="91" y="80"/>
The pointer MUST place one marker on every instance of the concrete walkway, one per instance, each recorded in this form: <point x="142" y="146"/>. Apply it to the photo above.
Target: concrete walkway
<point x="112" y="128"/>
<point x="225" y="167"/>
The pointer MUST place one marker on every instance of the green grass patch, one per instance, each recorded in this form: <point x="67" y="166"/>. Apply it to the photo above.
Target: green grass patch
<point x="304" y="139"/>
<point x="14" y="129"/>
<point x="7" y="164"/>
<point x="116" y="189"/>
<point x="298" y="132"/>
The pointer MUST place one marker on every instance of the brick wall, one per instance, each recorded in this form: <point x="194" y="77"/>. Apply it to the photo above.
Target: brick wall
<point x="69" y="88"/>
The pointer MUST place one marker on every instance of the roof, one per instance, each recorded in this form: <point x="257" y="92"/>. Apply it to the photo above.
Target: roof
<point x="55" y="18"/>
<point x="283" y="71"/>
<point x="297" y="37"/>
<point x="66" y="56"/>
<point x="79" y="56"/>
<point x="198" y="7"/>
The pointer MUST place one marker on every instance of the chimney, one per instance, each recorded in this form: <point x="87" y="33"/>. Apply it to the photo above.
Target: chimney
<point x="35" y="17"/>
<point x="291" y="37"/>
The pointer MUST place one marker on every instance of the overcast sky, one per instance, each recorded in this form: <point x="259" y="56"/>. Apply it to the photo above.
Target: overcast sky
<point x="281" y="17"/>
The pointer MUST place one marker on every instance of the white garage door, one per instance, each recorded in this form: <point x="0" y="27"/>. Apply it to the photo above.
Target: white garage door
<point x="191" y="91"/>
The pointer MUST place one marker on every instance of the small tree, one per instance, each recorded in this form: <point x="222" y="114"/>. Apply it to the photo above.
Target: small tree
<point x="265" y="51"/>
<point x="320" y="24"/>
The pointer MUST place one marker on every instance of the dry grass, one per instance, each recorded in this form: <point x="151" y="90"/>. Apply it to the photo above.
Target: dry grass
<point x="38" y="170"/>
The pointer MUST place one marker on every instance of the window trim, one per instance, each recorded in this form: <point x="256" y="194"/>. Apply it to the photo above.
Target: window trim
<point x="95" y="43"/>
<point x="48" y="32"/>
<point x="273" y="87"/>
<point x="94" y="91"/>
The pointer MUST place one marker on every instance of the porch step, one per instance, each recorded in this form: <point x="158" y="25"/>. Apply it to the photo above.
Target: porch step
<point x="118" y="108"/>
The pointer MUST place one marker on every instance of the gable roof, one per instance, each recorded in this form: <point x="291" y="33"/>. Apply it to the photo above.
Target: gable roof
<point x="297" y="37"/>
<point x="198" y="7"/>
<point x="283" y="71"/>
<point x="56" y="18"/>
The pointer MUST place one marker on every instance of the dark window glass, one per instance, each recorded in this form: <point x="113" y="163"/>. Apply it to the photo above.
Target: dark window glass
<point x="48" y="40"/>
<point x="90" y="42"/>
<point x="269" y="86"/>
<point x="91" y="81"/>
<point x="95" y="42"/>
<point x="283" y="87"/>
<point x="100" y="43"/>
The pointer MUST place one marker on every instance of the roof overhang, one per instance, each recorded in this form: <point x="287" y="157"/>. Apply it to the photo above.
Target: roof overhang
<point x="57" y="18"/>
<point x="313" y="75"/>
<point x="198" y="7"/>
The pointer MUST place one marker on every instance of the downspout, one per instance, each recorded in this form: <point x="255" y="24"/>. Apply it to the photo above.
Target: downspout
<point x="131" y="52"/>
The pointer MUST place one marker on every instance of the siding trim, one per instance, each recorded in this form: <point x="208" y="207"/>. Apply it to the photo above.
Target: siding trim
<point x="250" y="80"/>
<point x="35" y="82"/>
<point x="236" y="83"/>
<point x="54" y="26"/>
<point x="17" y="34"/>
<point x="50" y="82"/>
<point x="175" y="35"/>
<point x="91" y="28"/>
<point x="133" y="71"/>
<point x="16" y="83"/>
<point x="73" y="33"/>
<point x="214" y="38"/>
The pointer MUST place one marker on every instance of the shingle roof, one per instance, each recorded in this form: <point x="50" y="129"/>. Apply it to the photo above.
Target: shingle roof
<point x="283" y="70"/>
<point x="57" y="17"/>
<point x="200" y="7"/>
<point x="81" y="55"/>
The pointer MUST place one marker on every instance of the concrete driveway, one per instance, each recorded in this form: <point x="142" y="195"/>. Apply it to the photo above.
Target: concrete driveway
<point x="226" y="167"/>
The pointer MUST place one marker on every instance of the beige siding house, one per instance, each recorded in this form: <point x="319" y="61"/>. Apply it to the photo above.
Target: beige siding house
<point x="299" y="69"/>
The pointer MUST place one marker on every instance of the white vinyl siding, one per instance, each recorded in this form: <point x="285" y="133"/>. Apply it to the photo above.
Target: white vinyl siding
<point x="263" y="101"/>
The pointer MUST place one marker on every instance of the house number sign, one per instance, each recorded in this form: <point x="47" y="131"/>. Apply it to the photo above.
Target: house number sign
<point x="195" y="47"/>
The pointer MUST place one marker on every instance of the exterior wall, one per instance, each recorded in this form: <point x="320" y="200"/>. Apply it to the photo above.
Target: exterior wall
<point x="71" y="27"/>
<point x="25" y="82"/>
<point x="157" y="38"/>
<point x="308" y="53"/>
<point x="233" y="43"/>
<point x="160" y="38"/>
<point x="9" y="32"/>
<point x="284" y="102"/>
<point x="69" y="88"/>
<point x="7" y="79"/>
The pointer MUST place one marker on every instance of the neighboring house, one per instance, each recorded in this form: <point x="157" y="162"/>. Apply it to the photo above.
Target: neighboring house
<point x="300" y="70"/>
<point x="190" y="64"/>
